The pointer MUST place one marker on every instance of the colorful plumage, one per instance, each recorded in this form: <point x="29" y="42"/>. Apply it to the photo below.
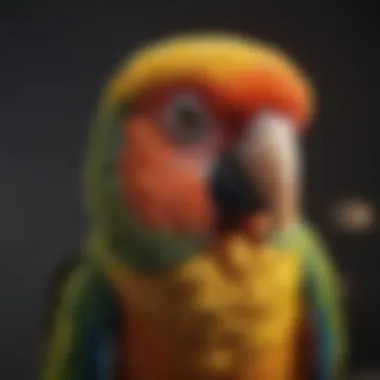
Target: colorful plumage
<point x="198" y="264"/>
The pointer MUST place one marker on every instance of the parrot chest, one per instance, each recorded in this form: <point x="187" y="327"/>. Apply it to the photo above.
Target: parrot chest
<point x="230" y="315"/>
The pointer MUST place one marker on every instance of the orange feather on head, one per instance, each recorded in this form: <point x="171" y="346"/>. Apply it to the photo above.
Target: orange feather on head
<point x="237" y="72"/>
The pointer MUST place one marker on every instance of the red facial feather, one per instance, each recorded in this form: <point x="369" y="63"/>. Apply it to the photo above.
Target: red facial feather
<point x="161" y="192"/>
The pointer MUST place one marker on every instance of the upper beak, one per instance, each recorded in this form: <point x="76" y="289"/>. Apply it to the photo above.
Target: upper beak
<point x="261" y="173"/>
<point x="269" y="155"/>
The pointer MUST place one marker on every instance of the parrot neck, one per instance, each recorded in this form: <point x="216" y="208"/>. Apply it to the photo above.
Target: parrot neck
<point x="262" y="225"/>
<point x="257" y="226"/>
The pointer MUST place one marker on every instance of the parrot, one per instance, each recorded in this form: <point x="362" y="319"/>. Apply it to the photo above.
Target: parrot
<point x="199" y="261"/>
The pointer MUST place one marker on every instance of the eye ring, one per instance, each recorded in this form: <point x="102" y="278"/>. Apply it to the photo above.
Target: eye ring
<point x="186" y="118"/>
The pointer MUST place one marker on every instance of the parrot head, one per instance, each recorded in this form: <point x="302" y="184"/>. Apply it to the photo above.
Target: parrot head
<point x="195" y="135"/>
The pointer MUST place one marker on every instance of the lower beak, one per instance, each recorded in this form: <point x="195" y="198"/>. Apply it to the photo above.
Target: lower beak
<point x="261" y="174"/>
<point x="234" y="196"/>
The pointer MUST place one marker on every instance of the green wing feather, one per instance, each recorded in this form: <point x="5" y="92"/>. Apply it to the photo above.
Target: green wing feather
<point x="83" y="318"/>
<point x="323" y="299"/>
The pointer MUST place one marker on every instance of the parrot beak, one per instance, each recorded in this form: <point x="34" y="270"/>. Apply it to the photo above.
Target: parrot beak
<point x="261" y="174"/>
<point x="269" y="155"/>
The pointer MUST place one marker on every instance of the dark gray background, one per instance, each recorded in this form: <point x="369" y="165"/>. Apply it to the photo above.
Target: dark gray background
<point x="54" y="57"/>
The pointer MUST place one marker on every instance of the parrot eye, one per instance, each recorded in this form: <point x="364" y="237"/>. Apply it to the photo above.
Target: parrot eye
<point x="186" y="119"/>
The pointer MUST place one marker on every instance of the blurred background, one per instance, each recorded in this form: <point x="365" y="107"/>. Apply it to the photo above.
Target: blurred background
<point x="54" y="58"/>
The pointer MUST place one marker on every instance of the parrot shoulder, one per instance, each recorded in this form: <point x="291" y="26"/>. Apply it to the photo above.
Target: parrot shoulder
<point x="81" y="320"/>
<point x="55" y="284"/>
<point x="326" y="317"/>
